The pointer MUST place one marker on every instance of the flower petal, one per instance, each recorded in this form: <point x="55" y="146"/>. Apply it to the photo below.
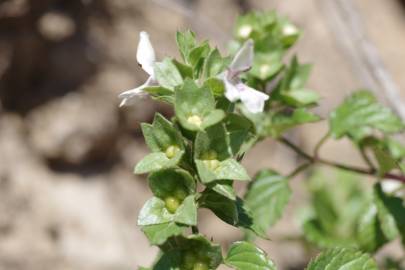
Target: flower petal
<point x="145" y="54"/>
<point x="252" y="99"/>
<point x="243" y="59"/>
<point x="126" y="96"/>
<point x="232" y="93"/>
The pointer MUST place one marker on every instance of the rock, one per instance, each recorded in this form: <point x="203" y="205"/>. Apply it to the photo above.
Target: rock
<point x="79" y="128"/>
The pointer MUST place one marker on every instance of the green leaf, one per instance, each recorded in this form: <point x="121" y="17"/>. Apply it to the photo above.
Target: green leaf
<point x="197" y="55"/>
<point x="157" y="161"/>
<point x="360" y="114"/>
<point x="300" y="97"/>
<point x="167" y="74"/>
<point x="226" y="169"/>
<point x="291" y="89"/>
<point x="266" y="65"/>
<point x="169" y="182"/>
<point x="342" y="258"/>
<point x="337" y="203"/>
<point x="214" y="64"/>
<point x="240" y="130"/>
<point x="187" y="252"/>
<point x="246" y="220"/>
<point x="267" y="197"/>
<point x="213" y="143"/>
<point x="222" y="207"/>
<point x="195" y="107"/>
<point x="216" y="86"/>
<point x="246" y="256"/>
<point x="281" y="122"/>
<point x="187" y="212"/>
<point x="225" y="188"/>
<point x="186" y="42"/>
<point x="161" y="135"/>
<point x="158" y="234"/>
<point x="391" y="213"/>
<point x="154" y="212"/>
<point x="369" y="233"/>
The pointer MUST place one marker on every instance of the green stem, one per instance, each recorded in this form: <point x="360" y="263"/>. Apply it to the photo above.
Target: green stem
<point x="299" y="169"/>
<point x="313" y="160"/>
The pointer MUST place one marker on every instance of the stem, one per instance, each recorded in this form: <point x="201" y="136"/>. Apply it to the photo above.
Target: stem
<point x="319" y="144"/>
<point x="313" y="160"/>
<point x="366" y="158"/>
<point x="299" y="169"/>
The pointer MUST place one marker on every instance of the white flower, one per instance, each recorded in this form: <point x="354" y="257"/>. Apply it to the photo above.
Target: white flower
<point x="235" y="89"/>
<point x="146" y="58"/>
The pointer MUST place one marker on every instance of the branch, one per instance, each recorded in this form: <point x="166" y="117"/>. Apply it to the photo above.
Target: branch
<point x="313" y="160"/>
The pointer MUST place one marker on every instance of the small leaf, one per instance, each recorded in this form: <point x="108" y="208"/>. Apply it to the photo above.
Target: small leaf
<point x="214" y="64"/>
<point x="187" y="212"/>
<point x="186" y="42"/>
<point x="268" y="64"/>
<point x="246" y="256"/>
<point x="154" y="212"/>
<point x="342" y="258"/>
<point x="168" y="182"/>
<point x="161" y="134"/>
<point x="157" y="161"/>
<point x="158" y="234"/>
<point x="360" y="114"/>
<point x="226" y="169"/>
<point x="267" y="197"/>
<point x="167" y="74"/>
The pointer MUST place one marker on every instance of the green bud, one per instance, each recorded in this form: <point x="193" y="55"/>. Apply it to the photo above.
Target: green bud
<point x="210" y="155"/>
<point x="172" y="203"/>
<point x="195" y="120"/>
<point x="189" y="260"/>
<point x="180" y="194"/>
<point x="212" y="164"/>
<point x="171" y="151"/>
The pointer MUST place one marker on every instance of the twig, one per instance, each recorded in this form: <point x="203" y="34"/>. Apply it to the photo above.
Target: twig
<point x="312" y="160"/>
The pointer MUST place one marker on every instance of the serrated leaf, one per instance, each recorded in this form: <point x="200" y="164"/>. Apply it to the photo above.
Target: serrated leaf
<point x="246" y="220"/>
<point x="167" y="74"/>
<point x="222" y="207"/>
<point x="158" y="234"/>
<point x="267" y="197"/>
<point x="246" y="256"/>
<point x="360" y="114"/>
<point x="342" y="258"/>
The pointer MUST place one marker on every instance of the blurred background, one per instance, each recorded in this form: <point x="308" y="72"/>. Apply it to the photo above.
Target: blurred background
<point x="68" y="198"/>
